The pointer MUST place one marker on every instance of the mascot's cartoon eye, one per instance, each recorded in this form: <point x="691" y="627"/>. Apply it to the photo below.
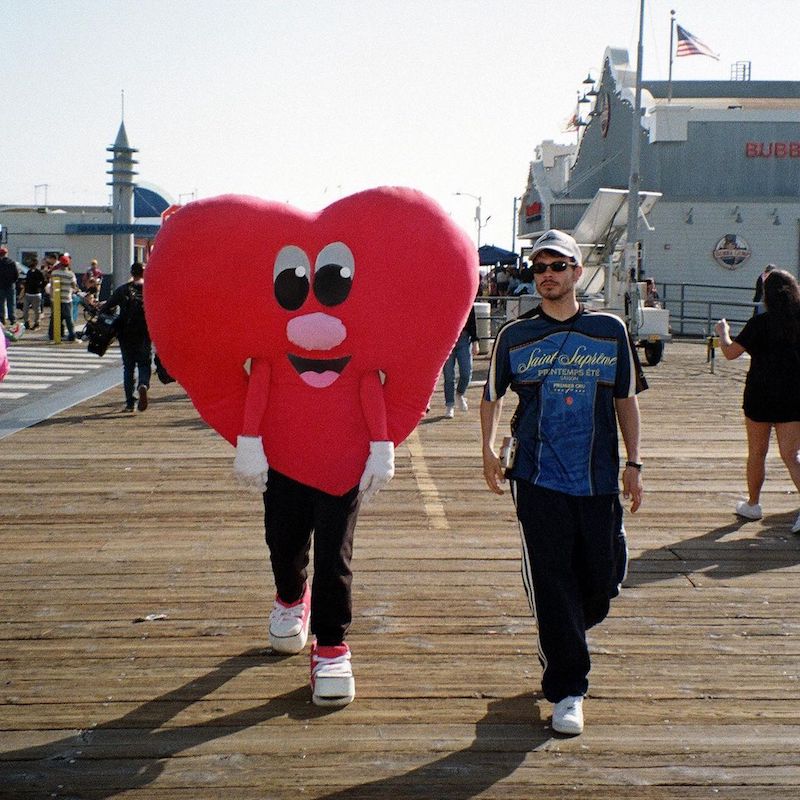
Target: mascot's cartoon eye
<point x="333" y="274"/>
<point x="292" y="269"/>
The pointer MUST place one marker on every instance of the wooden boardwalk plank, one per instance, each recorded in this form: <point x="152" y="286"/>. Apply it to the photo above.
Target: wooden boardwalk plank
<point x="107" y="518"/>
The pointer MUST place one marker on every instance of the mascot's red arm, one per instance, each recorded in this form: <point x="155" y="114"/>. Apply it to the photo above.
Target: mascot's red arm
<point x="255" y="403"/>
<point x="373" y="406"/>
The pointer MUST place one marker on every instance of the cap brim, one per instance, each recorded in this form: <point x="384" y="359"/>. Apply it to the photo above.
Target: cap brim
<point x="556" y="248"/>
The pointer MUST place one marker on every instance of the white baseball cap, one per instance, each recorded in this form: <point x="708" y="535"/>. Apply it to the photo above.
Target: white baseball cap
<point x="559" y="242"/>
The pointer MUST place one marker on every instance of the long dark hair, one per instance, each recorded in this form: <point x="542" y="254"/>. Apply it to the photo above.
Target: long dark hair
<point x="782" y="299"/>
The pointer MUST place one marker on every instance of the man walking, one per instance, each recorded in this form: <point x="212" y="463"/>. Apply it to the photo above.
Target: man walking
<point x="134" y="338"/>
<point x="576" y="374"/>
<point x="68" y="284"/>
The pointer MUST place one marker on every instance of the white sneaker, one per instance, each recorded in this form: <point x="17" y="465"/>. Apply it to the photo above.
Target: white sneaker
<point x="449" y="412"/>
<point x="568" y="715"/>
<point x="332" y="682"/>
<point x="796" y="526"/>
<point x="288" y="624"/>
<point x="744" y="509"/>
<point x="462" y="402"/>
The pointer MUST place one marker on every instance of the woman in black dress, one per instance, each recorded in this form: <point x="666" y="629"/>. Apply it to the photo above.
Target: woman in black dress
<point x="772" y="388"/>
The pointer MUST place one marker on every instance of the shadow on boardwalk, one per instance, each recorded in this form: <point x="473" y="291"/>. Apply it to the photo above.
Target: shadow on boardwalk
<point x="771" y="547"/>
<point x="94" y="763"/>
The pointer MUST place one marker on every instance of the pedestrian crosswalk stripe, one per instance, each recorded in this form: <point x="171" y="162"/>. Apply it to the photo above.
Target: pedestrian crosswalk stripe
<point x="38" y="371"/>
<point x="76" y="370"/>
<point x="19" y="385"/>
<point x="39" y="378"/>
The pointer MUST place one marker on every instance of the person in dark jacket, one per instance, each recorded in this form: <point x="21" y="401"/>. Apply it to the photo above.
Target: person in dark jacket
<point x="9" y="274"/>
<point x="34" y="286"/>
<point x="133" y="336"/>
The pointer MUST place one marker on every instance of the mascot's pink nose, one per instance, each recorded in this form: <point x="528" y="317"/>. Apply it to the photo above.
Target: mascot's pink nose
<point x="316" y="331"/>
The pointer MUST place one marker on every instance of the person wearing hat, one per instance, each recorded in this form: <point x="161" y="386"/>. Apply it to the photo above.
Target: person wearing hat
<point x="576" y="374"/>
<point x="9" y="274"/>
<point x="69" y="284"/>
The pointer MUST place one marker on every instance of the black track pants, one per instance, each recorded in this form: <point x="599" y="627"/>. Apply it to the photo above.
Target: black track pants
<point x="292" y="513"/>
<point x="573" y="559"/>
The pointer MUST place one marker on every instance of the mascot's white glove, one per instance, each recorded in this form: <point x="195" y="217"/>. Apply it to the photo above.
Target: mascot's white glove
<point x="378" y="471"/>
<point x="250" y="465"/>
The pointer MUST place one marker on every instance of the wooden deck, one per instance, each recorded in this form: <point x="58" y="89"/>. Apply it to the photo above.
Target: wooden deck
<point x="135" y="588"/>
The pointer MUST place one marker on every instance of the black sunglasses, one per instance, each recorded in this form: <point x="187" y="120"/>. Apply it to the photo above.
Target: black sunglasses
<point x="557" y="266"/>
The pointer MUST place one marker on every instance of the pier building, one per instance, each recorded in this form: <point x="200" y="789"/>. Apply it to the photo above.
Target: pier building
<point x="725" y="156"/>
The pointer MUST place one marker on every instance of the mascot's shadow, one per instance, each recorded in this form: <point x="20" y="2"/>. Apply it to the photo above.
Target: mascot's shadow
<point x="771" y="546"/>
<point x="69" y="767"/>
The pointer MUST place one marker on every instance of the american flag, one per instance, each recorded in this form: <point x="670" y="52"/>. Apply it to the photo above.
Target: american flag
<point x="689" y="45"/>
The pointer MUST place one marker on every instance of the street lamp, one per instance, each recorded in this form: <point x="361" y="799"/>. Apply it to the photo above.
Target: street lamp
<point x="478" y="220"/>
<point x="514" y="224"/>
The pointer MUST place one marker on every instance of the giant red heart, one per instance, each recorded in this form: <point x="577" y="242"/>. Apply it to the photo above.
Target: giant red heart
<point x="378" y="281"/>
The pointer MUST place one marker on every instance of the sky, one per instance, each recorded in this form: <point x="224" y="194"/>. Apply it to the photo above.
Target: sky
<point x="306" y="102"/>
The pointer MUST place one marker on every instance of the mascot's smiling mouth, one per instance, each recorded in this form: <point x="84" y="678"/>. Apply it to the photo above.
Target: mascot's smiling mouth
<point x="318" y="372"/>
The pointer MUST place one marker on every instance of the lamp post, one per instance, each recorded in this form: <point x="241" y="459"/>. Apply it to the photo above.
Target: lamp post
<point x="478" y="220"/>
<point x="514" y="225"/>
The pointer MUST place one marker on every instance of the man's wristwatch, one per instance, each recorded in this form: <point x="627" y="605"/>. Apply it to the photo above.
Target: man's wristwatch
<point x="635" y="464"/>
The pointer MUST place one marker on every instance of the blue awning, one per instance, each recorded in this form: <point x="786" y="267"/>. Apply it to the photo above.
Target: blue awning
<point x="489" y="255"/>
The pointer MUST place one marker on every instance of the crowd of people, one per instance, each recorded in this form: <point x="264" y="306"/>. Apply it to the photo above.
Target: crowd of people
<point x="26" y="289"/>
<point x="507" y="281"/>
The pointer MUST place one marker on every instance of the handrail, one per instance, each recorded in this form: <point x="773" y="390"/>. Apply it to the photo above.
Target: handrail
<point x="692" y="312"/>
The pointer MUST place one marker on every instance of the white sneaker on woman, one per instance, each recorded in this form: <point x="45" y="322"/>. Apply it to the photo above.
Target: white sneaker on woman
<point x="744" y="509"/>
<point x="796" y="526"/>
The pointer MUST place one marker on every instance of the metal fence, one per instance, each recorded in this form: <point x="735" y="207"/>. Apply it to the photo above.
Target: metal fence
<point x="693" y="308"/>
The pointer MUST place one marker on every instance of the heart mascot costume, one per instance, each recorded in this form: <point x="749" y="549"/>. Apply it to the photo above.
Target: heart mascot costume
<point x="342" y="322"/>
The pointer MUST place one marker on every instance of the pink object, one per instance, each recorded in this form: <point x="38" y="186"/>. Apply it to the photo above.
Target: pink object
<point x="4" y="366"/>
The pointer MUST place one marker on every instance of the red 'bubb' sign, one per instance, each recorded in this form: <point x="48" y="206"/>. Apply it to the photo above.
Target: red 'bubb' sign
<point x="772" y="149"/>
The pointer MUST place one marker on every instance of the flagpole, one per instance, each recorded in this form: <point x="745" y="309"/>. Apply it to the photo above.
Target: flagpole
<point x="671" y="40"/>
<point x="632" y="245"/>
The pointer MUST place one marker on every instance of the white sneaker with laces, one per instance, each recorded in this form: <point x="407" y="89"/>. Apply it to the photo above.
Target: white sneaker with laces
<point x="332" y="682"/>
<point x="449" y="412"/>
<point x="288" y="624"/>
<point x="462" y="402"/>
<point x="744" y="509"/>
<point x="568" y="715"/>
<point x="796" y="526"/>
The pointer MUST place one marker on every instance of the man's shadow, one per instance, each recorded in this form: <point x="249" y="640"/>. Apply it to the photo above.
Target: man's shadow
<point x="510" y="729"/>
<point x="712" y="556"/>
<point x="93" y="764"/>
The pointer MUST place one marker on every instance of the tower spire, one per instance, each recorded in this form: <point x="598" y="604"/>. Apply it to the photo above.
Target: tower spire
<point x="122" y="175"/>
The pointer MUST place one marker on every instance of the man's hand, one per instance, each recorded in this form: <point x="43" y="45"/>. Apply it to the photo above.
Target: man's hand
<point x="632" y="487"/>
<point x="250" y="466"/>
<point x="378" y="471"/>
<point x="493" y="471"/>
